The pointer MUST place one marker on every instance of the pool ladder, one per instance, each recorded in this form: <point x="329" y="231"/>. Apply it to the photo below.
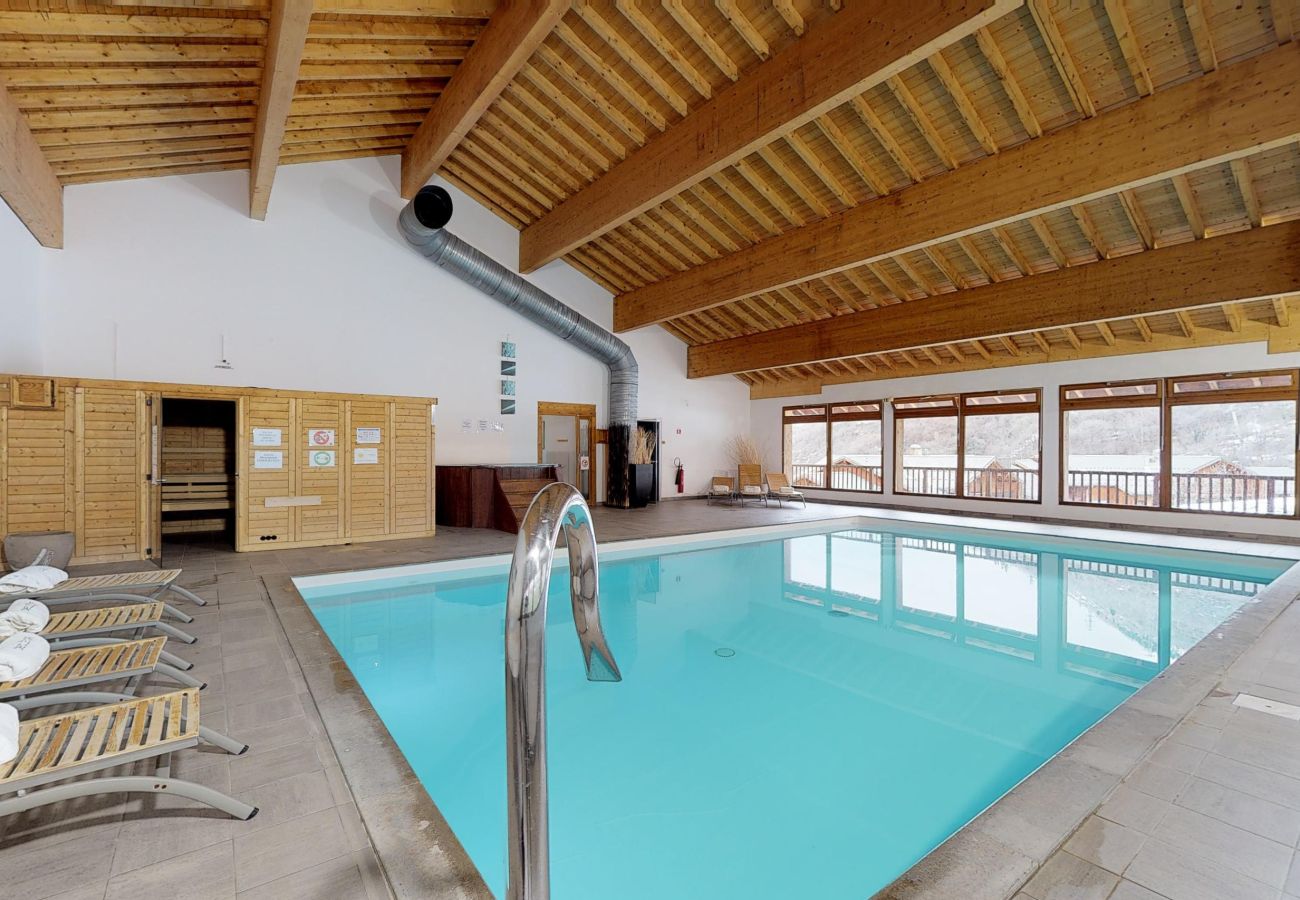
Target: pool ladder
<point x="556" y="506"/>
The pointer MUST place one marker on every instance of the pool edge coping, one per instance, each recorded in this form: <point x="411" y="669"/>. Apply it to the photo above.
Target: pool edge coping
<point x="420" y="853"/>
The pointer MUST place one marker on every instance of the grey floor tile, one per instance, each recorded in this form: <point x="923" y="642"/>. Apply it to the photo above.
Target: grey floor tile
<point x="38" y="873"/>
<point x="1218" y="842"/>
<point x="1106" y="844"/>
<point x="1127" y="890"/>
<point x="1252" y="814"/>
<point x="1183" y="875"/>
<point x="288" y="848"/>
<point x="207" y="874"/>
<point x="1067" y="877"/>
<point x="335" y="879"/>
<point x="1134" y="809"/>
<point x="255" y="769"/>
<point x="1249" y="779"/>
<point x="288" y="798"/>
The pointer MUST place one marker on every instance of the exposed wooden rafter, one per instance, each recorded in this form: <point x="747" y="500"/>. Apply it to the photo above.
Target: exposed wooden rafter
<point x="1219" y="117"/>
<point x="511" y="36"/>
<point x="285" y="42"/>
<point x="858" y="48"/>
<point x="1261" y="262"/>
<point x="27" y="183"/>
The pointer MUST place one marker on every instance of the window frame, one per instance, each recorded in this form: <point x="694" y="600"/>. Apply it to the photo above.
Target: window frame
<point x="829" y="417"/>
<point x="961" y="408"/>
<point x="1166" y="398"/>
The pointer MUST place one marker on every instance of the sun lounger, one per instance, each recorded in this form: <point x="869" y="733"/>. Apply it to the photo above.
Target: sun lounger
<point x="120" y="730"/>
<point x="119" y="588"/>
<point x="720" y="489"/>
<point x="779" y="487"/>
<point x="110" y="619"/>
<point x="70" y="667"/>
<point x="753" y="491"/>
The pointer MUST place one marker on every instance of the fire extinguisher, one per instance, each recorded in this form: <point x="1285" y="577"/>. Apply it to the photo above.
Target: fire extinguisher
<point x="681" y="474"/>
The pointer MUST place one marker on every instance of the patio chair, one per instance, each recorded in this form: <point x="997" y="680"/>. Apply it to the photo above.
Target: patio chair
<point x="118" y="587"/>
<point x="75" y="666"/>
<point x="721" y="489"/>
<point x="94" y="622"/>
<point x="778" y="486"/>
<point x="120" y="729"/>
<point x="752" y="490"/>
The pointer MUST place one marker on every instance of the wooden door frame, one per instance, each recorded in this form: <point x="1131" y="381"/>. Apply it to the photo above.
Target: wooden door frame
<point x="576" y="411"/>
<point x="217" y="395"/>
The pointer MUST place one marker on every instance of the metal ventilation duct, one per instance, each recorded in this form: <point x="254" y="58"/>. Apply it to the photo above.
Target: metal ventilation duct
<point x="422" y="223"/>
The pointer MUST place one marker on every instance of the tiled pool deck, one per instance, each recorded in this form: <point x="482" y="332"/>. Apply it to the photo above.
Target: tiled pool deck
<point x="1179" y="794"/>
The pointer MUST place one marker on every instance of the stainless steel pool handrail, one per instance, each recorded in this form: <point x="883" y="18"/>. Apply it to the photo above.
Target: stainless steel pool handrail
<point x="556" y="506"/>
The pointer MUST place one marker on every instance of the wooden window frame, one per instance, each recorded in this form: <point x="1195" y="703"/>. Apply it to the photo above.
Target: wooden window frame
<point x="1166" y="399"/>
<point x="962" y="409"/>
<point x="830" y="417"/>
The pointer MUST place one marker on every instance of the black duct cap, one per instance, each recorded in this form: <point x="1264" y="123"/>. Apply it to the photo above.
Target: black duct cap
<point x="433" y="206"/>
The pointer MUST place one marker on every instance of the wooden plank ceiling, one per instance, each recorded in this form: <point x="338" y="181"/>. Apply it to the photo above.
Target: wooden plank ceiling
<point x="131" y="91"/>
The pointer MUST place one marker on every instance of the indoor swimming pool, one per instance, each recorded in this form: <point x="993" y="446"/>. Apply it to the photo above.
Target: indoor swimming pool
<point x="800" y="716"/>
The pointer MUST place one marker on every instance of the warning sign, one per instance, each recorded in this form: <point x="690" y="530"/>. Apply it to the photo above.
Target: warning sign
<point x="322" y="459"/>
<point x="320" y="437"/>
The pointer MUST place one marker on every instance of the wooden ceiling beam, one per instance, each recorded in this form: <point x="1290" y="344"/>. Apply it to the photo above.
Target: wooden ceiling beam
<point x="1235" y="111"/>
<point x="27" y="183"/>
<point x="512" y="34"/>
<point x="290" y="20"/>
<point x="1244" y="265"/>
<point x="857" y="49"/>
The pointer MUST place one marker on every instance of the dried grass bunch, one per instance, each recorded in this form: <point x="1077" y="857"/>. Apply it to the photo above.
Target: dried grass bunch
<point x="744" y="451"/>
<point x="643" y="447"/>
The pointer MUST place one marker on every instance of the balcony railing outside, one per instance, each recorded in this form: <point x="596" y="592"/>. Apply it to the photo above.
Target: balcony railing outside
<point x="1256" y="495"/>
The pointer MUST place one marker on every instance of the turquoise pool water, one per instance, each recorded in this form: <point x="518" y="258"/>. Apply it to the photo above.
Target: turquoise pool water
<point x="803" y="717"/>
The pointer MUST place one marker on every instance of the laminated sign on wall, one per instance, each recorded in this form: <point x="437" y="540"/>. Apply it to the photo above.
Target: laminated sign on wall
<point x="267" y="437"/>
<point x="321" y="459"/>
<point x="369" y="435"/>
<point x="363" y="456"/>
<point x="268" y="459"/>
<point x="320" y="437"/>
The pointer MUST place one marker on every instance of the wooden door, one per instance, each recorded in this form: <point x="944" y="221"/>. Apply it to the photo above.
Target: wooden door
<point x="412" y="452"/>
<point x="151" y="473"/>
<point x="368" y="433"/>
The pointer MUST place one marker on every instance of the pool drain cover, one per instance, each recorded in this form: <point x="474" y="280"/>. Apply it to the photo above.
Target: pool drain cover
<point x="724" y="652"/>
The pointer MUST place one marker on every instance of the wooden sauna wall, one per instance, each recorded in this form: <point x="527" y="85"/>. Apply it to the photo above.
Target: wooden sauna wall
<point x="78" y="464"/>
<point x="81" y="462"/>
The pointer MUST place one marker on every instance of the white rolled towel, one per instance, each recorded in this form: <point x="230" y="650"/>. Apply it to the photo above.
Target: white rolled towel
<point x="22" y="656"/>
<point x="8" y="733"/>
<point x="32" y="579"/>
<point x="30" y="616"/>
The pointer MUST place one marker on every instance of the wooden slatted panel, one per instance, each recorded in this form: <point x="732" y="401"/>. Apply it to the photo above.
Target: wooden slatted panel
<point x="107" y="436"/>
<point x="274" y="523"/>
<point x="412" y="451"/>
<point x="195" y="450"/>
<point x="59" y="745"/>
<point x="133" y="615"/>
<point x="35" y="469"/>
<point x="368" y="508"/>
<point x="103" y="662"/>
<point x="325" y="521"/>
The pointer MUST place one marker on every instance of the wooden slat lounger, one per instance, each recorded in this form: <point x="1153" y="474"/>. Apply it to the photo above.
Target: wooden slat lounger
<point x="121" y="730"/>
<point x="118" y="587"/>
<point x="70" y="668"/>
<point x="108" y="619"/>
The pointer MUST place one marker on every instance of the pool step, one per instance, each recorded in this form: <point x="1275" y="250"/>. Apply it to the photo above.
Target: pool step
<point x="519" y="492"/>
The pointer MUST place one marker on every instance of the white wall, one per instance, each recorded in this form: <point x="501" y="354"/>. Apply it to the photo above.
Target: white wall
<point x="326" y="295"/>
<point x="21" y="333"/>
<point x="765" y="416"/>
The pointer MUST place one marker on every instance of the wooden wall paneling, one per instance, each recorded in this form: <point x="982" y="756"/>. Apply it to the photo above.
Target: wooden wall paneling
<point x="412" y="449"/>
<point x="368" y="482"/>
<point x="107" y="464"/>
<point x="243" y="463"/>
<point x="322" y="522"/>
<point x="268" y="525"/>
<point x="4" y="470"/>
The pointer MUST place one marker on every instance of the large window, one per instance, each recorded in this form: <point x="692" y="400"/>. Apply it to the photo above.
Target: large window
<point x="1216" y="443"/>
<point x="1111" y="443"/>
<point x="835" y="446"/>
<point x="983" y="445"/>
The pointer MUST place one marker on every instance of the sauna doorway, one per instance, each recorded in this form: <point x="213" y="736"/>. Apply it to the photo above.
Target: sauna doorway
<point x="566" y="437"/>
<point x="196" y="473"/>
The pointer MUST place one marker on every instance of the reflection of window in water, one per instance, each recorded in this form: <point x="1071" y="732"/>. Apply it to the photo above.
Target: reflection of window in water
<point x="1001" y="588"/>
<point x="927" y="575"/>
<point x="1112" y="608"/>
<point x="806" y="560"/>
<point x="1200" y="603"/>
<point x="855" y="565"/>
